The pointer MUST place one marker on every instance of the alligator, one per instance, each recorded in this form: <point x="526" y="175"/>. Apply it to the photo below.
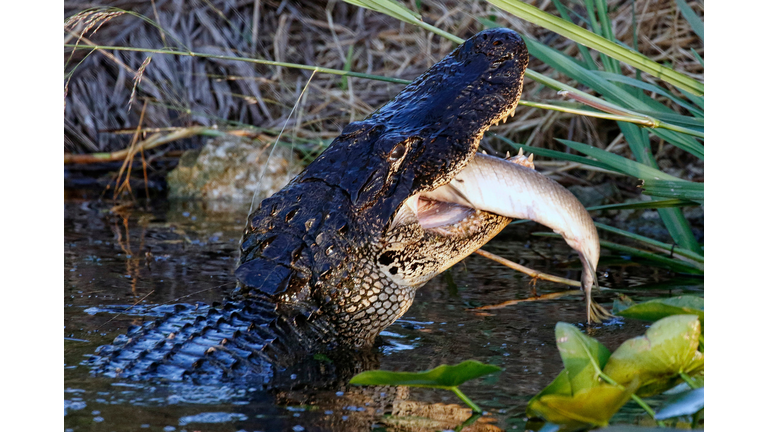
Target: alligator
<point x="336" y="256"/>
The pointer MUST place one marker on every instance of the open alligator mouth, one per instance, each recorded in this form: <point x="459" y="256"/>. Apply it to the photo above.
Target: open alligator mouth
<point x="510" y="188"/>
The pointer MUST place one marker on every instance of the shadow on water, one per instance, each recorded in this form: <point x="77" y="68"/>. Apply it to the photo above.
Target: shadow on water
<point x="185" y="252"/>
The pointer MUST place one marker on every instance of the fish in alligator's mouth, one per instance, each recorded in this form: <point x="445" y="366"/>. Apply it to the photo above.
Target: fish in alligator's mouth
<point x="401" y="196"/>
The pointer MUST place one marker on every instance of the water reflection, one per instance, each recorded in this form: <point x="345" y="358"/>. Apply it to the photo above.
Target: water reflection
<point x="121" y="262"/>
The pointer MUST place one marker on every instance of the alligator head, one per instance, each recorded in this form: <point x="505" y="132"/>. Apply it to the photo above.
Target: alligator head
<point x="349" y="240"/>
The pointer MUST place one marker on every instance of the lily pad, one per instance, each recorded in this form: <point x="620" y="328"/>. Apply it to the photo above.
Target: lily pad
<point x="583" y="356"/>
<point x="444" y="376"/>
<point x="591" y="406"/>
<point x="656" y="309"/>
<point x="668" y="348"/>
<point x="561" y="385"/>
<point x="687" y="403"/>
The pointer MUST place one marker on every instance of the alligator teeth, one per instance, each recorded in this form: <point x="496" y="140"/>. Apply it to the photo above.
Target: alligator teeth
<point x="504" y="120"/>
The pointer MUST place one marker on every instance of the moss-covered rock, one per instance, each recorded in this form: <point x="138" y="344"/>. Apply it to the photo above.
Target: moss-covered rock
<point x="229" y="167"/>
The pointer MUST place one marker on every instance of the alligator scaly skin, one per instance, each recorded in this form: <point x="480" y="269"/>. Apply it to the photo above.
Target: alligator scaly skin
<point x="334" y="258"/>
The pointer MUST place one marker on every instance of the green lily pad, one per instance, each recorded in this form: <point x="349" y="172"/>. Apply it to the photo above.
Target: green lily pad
<point x="444" y="376"/>
<point x="668" y="348"/>
<point x="656" y="309"/>
<point x="582" y="356"/>
<point x="561" y="385"/>
<point x="591" y="406"/>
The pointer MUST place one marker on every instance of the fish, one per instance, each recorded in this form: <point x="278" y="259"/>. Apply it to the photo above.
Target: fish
<point x="511" y="187"/>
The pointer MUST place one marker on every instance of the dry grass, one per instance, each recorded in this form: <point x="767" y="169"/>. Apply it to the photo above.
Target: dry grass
<point x="186" y="91"/>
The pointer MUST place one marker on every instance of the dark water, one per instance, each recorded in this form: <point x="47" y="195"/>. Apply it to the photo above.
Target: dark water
<point x="186" y="252"/>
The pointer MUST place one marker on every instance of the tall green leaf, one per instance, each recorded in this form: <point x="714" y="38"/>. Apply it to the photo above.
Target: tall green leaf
<point x="696" y="24"/>
<point x="673" y="218"/>
<point x="611" y="92"/>
<point x="596" y="42"/>
<point x="588" y="61"/>
<point x="649" y="87"/>
<point x="618" y="163"/>
<point x="675" y="189"/>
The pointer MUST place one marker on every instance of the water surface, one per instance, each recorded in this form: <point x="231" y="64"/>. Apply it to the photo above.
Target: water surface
<point x="185" y="252"/>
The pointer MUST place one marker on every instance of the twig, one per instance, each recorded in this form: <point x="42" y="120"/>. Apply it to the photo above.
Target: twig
<point x="550" y="296"/>
<point x="532" y="273"/>
<point x="153" y="141"/>
<point x="126" y="310"/>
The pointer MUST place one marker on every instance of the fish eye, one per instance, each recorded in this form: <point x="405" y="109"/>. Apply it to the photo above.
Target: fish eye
<point x="397" y="152"/>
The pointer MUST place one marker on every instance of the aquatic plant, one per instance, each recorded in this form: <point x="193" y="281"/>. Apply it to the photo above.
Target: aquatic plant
<point x="595" y="383"/>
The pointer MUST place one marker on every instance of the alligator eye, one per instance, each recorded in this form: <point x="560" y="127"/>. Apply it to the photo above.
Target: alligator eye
<point x="397" y="152"/>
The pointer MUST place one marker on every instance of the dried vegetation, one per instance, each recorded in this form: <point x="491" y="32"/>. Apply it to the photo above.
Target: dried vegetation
<point x="105" y="90"/>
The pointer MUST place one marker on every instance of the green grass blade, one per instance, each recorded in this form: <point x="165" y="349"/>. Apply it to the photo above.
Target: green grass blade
<point x="396" y="10"/>
<point x="694" y="123"/>
<point x="588" y="60"/>
<point x="649" y="241"/>
<point x="696" y="24"/>
<point x="555" y="154"/>
<point x="618" y="163"/>
<point x="670" y="263"/>
<point x="655" y="204"/>
<point x="618" y="98"/>
<point x="676" y="265"/>
<point x="698" y="100"/>
<point x="596" y="28"/>
<point x="677" y="226"/>
<point x="347" y="67"/>
<point x="605" y="24"/>
<point x="648" y="87"/>
<point x="600" y="44"/>
<point x="679" y="229"/>
<point x="388" y="7"/>
<point x="243" y="59"/>
<point x="570" y="108"/>
<point x="681" y="141"/>
<point x="675" y="189"/>
<point x="698" y="57"/>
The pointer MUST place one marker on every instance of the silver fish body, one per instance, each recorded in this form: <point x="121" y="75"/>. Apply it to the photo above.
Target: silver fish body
<point x="508" y="189"/>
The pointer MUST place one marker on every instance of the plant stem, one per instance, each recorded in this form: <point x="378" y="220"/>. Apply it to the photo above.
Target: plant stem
<point x="466" y="400"/>
<point x="667" y="247"/>
<point x="643" y="121"/>
<point x="635" y="398"/>
<point x="696" y="418"/>
<point x="243" y="59"/>
<point x="692" y="384"/>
